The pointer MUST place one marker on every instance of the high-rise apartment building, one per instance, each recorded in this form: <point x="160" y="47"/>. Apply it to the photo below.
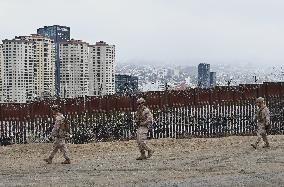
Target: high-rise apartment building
<point x="1" y="72"/>
<point x="126" y="84"/>
<point x="212" y="79"/>
<point x="204" y="75"/>
<point x="44" y="65"/>
<point x="206" y="79"/>
<point x="74" y="68"/>
<point x="102" y="65"/>
<point x="28" y="68"/>
<point x="18" y="70"/>
<point x="58" y="34"/>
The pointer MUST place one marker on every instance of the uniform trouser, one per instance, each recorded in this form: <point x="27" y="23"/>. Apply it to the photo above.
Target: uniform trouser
<point x="261" y="134"/>
<point x="141" y="138"/>
<point x="59" y="144"/>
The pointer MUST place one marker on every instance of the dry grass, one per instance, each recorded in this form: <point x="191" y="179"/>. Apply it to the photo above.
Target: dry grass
<point x="182" y="162"/>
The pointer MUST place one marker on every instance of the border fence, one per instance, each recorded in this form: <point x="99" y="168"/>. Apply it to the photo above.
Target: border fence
<point x="222" y="111"/>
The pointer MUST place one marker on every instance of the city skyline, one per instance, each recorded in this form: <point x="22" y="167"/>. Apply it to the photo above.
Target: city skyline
<point x="167" y="32"/>
<point x="28" y="68"/>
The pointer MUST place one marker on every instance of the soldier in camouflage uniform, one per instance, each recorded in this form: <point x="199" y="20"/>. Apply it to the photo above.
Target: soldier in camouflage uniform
<point x="59" y="135"/>
<point x="263" y="122"/>
<point x="144" y="119"/>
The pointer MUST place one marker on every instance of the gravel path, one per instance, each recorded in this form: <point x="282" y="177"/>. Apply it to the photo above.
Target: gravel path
<point x="228" y="161"/>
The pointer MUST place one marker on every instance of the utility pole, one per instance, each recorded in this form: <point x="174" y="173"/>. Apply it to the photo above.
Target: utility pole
<point x="255" y="79"/>
<point x="229" y="82"/>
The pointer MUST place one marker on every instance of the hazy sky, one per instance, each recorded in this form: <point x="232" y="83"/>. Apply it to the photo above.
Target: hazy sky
<point x="161" y="31"/>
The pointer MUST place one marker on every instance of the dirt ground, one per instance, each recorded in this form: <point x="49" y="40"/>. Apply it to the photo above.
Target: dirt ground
<point x="228" y="161"/>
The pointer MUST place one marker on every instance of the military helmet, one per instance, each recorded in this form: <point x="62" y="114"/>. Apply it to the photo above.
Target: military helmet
<point x="55" y="108"/>
<point x="140" y="100"/>
<point x="260" y="100"/>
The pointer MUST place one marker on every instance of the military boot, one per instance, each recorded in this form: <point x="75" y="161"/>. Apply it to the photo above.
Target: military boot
<point x="150" y="153"/>
<point x="48" y="160"/>
<point x="67" y="161"/>
<point x="266" y="145"/>
<point x="142" y="156"/>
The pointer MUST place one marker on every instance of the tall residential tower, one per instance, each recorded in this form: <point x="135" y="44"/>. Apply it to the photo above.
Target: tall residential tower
<point x="28" y="68"/>
<point x="1" y="72"/>
<point x="44" y="65"/>
<point x="18" y="70"/>
<point x="58" y="34"/>
<point x="204" y="75"/>
<point x="102" y="65"/>
<point x="126" y="84"/>
<point x="74" y="68"/>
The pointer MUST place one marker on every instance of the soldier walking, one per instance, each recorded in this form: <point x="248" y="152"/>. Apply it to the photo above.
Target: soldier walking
<point x="262" y="117"/>
<point x="144" y="119"/>
<point x="58" y="134"/>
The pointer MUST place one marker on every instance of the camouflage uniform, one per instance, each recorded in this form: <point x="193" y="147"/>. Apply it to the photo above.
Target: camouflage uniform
<point x="59" y="140"/>
<point x="144" y="119"/>
<point x="263" y="119"/>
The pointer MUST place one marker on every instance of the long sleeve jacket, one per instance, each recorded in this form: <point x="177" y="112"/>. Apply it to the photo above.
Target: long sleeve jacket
<point x="144" y="117"/>
<point x="59" y="119"/>
<point x="263" y="116"/>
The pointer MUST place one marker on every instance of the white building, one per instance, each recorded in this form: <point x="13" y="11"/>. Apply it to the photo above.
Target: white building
<point x="44" y="65"/>
<point x="28" y="68"/>
<point x="154" y="86"/>
<point x="102" y="65"/>
<point x="1" y="72"/>
<point x="74" y="68"/>
<point x="18" y="70"/>
<point x="162" y="73"/>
